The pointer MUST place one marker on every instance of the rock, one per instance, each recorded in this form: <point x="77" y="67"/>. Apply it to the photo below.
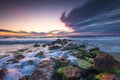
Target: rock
<point x="2" y="73"/>
<point x="18" y="56"/>
<point x="82" y="46"/>
<point x="22" y="50"/>
<point x="69" y="73"/>
<point x="44" y="45"/>
<point x="107" y="76"/>
<point x="44" y="71"/>
<point x="40" y="54"/>
<point x="36" y="45"/>
<point x="54" y="47"/>
<point x="69" y="46"/>
<point x="84" y="64"/>
<point x="94" y="49"/>
<point x="60" y="41"/>
<point x="92" y="54"/>
<point x="117" y="77"/>
<point x="2" y="56"/>
<point x="62" y="61"/>
<point x="15" y="61"/>
<point x="79" y="53"/>
<point x="25" y="78"/>
<point x="107" y="62"/>
<point x="18" y="52"/>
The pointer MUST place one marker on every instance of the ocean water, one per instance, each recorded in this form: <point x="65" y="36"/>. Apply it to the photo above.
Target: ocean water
<point x="109" y="44"/>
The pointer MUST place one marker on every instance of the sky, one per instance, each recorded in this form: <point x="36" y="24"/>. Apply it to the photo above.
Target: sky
<point x="59" y="17"/>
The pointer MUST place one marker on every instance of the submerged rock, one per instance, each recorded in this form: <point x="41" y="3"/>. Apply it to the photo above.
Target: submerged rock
<point x="2" y="56"/>
<point x="40" y="54"/>
<point x="18" y="56"/>
<point x="44" y="71"/>
<point x="107" y="62"/>
<point x="2" y="73"/>
<point x="69" y="73"/>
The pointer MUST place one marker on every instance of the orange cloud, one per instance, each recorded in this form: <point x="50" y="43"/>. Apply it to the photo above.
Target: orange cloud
<point x="14" y="34"/>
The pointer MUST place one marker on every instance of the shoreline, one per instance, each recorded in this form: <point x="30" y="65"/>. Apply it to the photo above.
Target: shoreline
<point x="65" y="54"/>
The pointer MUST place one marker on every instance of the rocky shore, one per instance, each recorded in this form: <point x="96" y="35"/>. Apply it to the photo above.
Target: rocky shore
<point x="59" y="60"/>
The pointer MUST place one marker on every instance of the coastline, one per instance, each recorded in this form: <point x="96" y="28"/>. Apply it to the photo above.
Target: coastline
<point x="27" y="63"/>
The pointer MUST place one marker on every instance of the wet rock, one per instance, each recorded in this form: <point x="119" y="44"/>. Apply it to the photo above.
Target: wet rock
<point x="2" y="73"/>
<point x="18" y="56"/>
<point x="107" y="62"/>
<point x="18" y="52"/>
<point x="22" y="50"/>
<point x="36" y="45"/>
<point x="107" y="76"/>
<point x="82" y="46"/>
<point x="84" y="64"/>
<point x="28" y="61"/>
<point x="69" y="46"/>
<point x="79" y="53"/>
<point x="54" y="47"/>
<point x="40" y="54"/>
<point x="2" y="56"/>
<point x="69" y="73"/>
<point x="60" y="41"/>
<point x="25" y="78"/>
<point x="44" y="45"/>
<point x="94" y="49"/>
<point x="15" y="60"/>
<point x="44" y="71"/>
<point x="92" y="54"/>
<point x="62" y="61"/>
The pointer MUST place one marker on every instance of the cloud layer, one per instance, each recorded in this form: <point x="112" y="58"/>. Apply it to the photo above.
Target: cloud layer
<point x="95" y="16"/>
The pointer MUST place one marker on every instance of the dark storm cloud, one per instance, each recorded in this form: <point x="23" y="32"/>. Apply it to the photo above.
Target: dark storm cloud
<point x="95" y="16"/>
<point x="4" y="30"/>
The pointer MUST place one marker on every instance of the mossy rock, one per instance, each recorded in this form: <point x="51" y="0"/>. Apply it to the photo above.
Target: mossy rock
<point x="69" y="73"/>
<point x="115" y="71"/>
<point x="80" y="53"/>
<point x="84" y="64"/>
<point x="106" y="76"/>
<point x="91" y="60"/>
<point x="18" y="52"/>
<point x="94" y="49"/>
<point x="92" y="54"/>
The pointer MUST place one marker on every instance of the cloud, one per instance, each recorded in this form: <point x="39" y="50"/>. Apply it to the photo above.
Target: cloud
<point x="4" y="30"/>
<point x="95" y="16"/>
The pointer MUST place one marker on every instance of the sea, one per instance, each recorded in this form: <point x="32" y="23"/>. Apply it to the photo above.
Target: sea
<point x="108" y="44"/>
